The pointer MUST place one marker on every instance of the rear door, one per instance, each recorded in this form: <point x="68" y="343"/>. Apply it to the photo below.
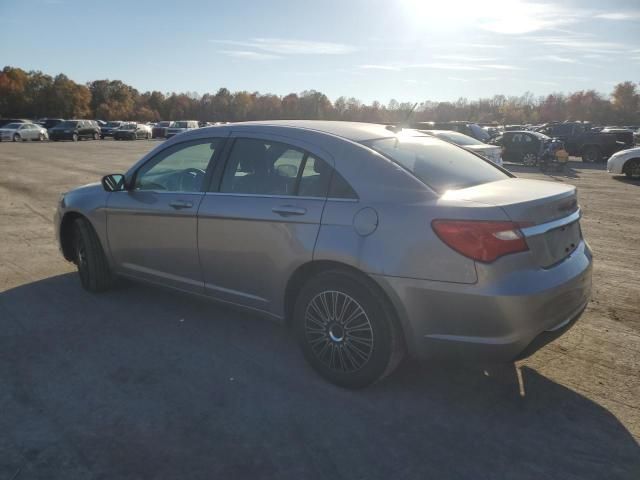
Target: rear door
<point x="511" y="143"/>
<point x="152" y="228"/>
<point x="262" y="221"/>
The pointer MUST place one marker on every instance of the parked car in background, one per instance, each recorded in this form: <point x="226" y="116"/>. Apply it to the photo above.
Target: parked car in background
<point x="625" y="162"/>
<point x="75" y="130"/>
<point x="289" y="218"/>
<point x="160" y="129"/>
<point x="581" y="140"/>
<point x="490" y="152"/>
<point x="181" y="126"/>
<point x="17" y="132"/>
<point x="49" y="123"/>
<point x="132" y="131"/>
<point x="7" y="121"/>
<point x="109" y="128"/>
<point x="470" y="129"/>
<point x="522" y="146"/>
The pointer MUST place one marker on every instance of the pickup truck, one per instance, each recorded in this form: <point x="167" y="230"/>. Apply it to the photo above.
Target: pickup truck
<point x="581" y="140"/>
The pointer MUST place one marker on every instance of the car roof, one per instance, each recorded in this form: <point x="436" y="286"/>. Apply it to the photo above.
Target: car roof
<point x="355" y="131"/>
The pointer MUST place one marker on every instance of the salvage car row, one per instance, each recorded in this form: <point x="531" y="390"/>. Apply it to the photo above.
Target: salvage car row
<point x="79" y="129"/>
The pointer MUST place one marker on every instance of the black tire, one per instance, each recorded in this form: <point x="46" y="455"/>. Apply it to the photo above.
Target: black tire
<point x="591" y="155"/>
<point x="16" y="138"/>
<point x="95" y="136"/>
<point x="93" y="268"/>
<point x="74" y="137"/>
<point x="631" y="168"/>
<point x="41" y="137"/>
<point x="355" y="356"/>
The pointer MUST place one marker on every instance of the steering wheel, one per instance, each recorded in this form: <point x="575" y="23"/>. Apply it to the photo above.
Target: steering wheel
<point x="192" y="174"/>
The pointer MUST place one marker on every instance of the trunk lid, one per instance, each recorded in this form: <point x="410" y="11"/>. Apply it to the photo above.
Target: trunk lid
<point x="547" y="212"/>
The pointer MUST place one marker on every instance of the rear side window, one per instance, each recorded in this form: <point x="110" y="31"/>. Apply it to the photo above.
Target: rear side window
<point x="264" y="167"/>
<point x="436" y="163"/>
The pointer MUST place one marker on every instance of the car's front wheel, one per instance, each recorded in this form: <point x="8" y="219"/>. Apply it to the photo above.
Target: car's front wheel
<point x="346" y="331"/>
<point x="96" y="136"/>
<point x="632" y="168"/>
<point x="93" y="268"/>
<point x="16" y="138"/>
<point x="74" y="137"/>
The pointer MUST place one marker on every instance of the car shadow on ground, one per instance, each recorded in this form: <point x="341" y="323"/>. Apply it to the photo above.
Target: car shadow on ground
<point x="141" y="382"/>
<point x="624" y="179"/>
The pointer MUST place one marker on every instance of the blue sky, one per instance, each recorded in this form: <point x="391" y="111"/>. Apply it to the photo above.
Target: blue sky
<point x="410" y="50"/>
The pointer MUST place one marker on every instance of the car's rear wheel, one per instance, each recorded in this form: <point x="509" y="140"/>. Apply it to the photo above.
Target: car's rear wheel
<point x="346" y="331"/>
<point x="632" y="168"/>
<point x="591" y="155"/>
<point x="74" y="137"/>
<point x="95" y="136"/>
<point x="16" y="138"/>
<point x="93" y="268"/>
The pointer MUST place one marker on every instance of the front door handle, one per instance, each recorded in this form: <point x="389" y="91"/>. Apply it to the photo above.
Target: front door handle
<point x="180" y="204"/>
<point x="288" y="210"/>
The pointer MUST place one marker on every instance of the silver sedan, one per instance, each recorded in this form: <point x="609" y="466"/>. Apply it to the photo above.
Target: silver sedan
<point x="17" y="132"/>
<point x="368" y="241"/>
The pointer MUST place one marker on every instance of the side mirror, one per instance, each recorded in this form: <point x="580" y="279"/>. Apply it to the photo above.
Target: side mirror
<point x="113" y="183"/>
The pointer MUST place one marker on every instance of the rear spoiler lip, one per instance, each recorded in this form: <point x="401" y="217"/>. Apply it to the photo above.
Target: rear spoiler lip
<point x="547" y="227"/>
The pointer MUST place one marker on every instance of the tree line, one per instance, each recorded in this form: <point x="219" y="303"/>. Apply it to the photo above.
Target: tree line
<point x="33" y="94"/>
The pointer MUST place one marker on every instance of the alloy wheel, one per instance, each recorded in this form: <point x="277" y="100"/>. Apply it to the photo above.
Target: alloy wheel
<point x="338" y="331"/>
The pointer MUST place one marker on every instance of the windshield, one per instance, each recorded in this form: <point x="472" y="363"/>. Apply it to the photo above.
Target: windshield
<point x="67" y="124"/>
<point x="457" y="138"/>
<point x="164" y="124"/>
<point x="128" y="126"/>
<point x="438" y="164"/>
<point x="114" y="124"/>
<point x="13" y="126"/>
<point x="180" y="125"/>
<point x="480" y="133"/>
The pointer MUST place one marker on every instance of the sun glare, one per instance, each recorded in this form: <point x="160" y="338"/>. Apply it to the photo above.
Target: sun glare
<point x="506" y="17"/>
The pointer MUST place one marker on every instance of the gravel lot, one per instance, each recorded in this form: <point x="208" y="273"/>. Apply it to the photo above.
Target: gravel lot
<point x="140" y="383"/>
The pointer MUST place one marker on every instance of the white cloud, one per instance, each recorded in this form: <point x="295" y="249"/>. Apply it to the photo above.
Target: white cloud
<point x="619" y="16"/>
<point x="380" y="67"/>
<point x="249" y="55"/>
<point x="464" y="58"/>
<point x="280" y="46"/>
<point x="396" y="67"/>
<point x="557" y="59"/>
<point x="576" y="41"/>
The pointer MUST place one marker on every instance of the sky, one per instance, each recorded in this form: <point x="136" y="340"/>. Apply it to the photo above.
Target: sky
<point x="408" y="50"/>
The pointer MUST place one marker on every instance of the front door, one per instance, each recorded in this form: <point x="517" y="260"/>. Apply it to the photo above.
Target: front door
<point x="152" y="228"/>
<point x="262" y="222"/>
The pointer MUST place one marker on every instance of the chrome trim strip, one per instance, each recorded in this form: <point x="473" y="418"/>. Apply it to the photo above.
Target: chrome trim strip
<point x="546" y="227"/>
<point x="284" y="197"/>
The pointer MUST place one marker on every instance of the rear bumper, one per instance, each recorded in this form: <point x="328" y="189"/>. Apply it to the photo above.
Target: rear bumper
<point x="497" y="321"/>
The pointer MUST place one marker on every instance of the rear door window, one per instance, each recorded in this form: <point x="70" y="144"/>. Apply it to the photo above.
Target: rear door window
<point x="440" y="165"/>
<point x="264" y="167"/>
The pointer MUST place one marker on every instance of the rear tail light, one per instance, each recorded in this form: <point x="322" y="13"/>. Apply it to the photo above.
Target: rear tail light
<point x="484" y="241"/>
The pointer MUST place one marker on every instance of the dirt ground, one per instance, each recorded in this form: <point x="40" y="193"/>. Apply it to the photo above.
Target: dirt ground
<point x="142" y="383"/>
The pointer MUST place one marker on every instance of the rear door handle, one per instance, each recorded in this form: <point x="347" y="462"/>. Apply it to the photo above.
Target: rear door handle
<point x="180" y="204"/>
<point x="288" y="210"/>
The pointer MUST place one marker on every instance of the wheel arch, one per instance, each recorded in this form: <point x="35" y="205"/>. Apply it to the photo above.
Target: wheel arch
<point x="66" y="232"/>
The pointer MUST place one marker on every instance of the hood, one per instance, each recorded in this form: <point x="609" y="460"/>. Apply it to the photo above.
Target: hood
<point x="627" y="151"/>
<point x="85" y="189"/>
